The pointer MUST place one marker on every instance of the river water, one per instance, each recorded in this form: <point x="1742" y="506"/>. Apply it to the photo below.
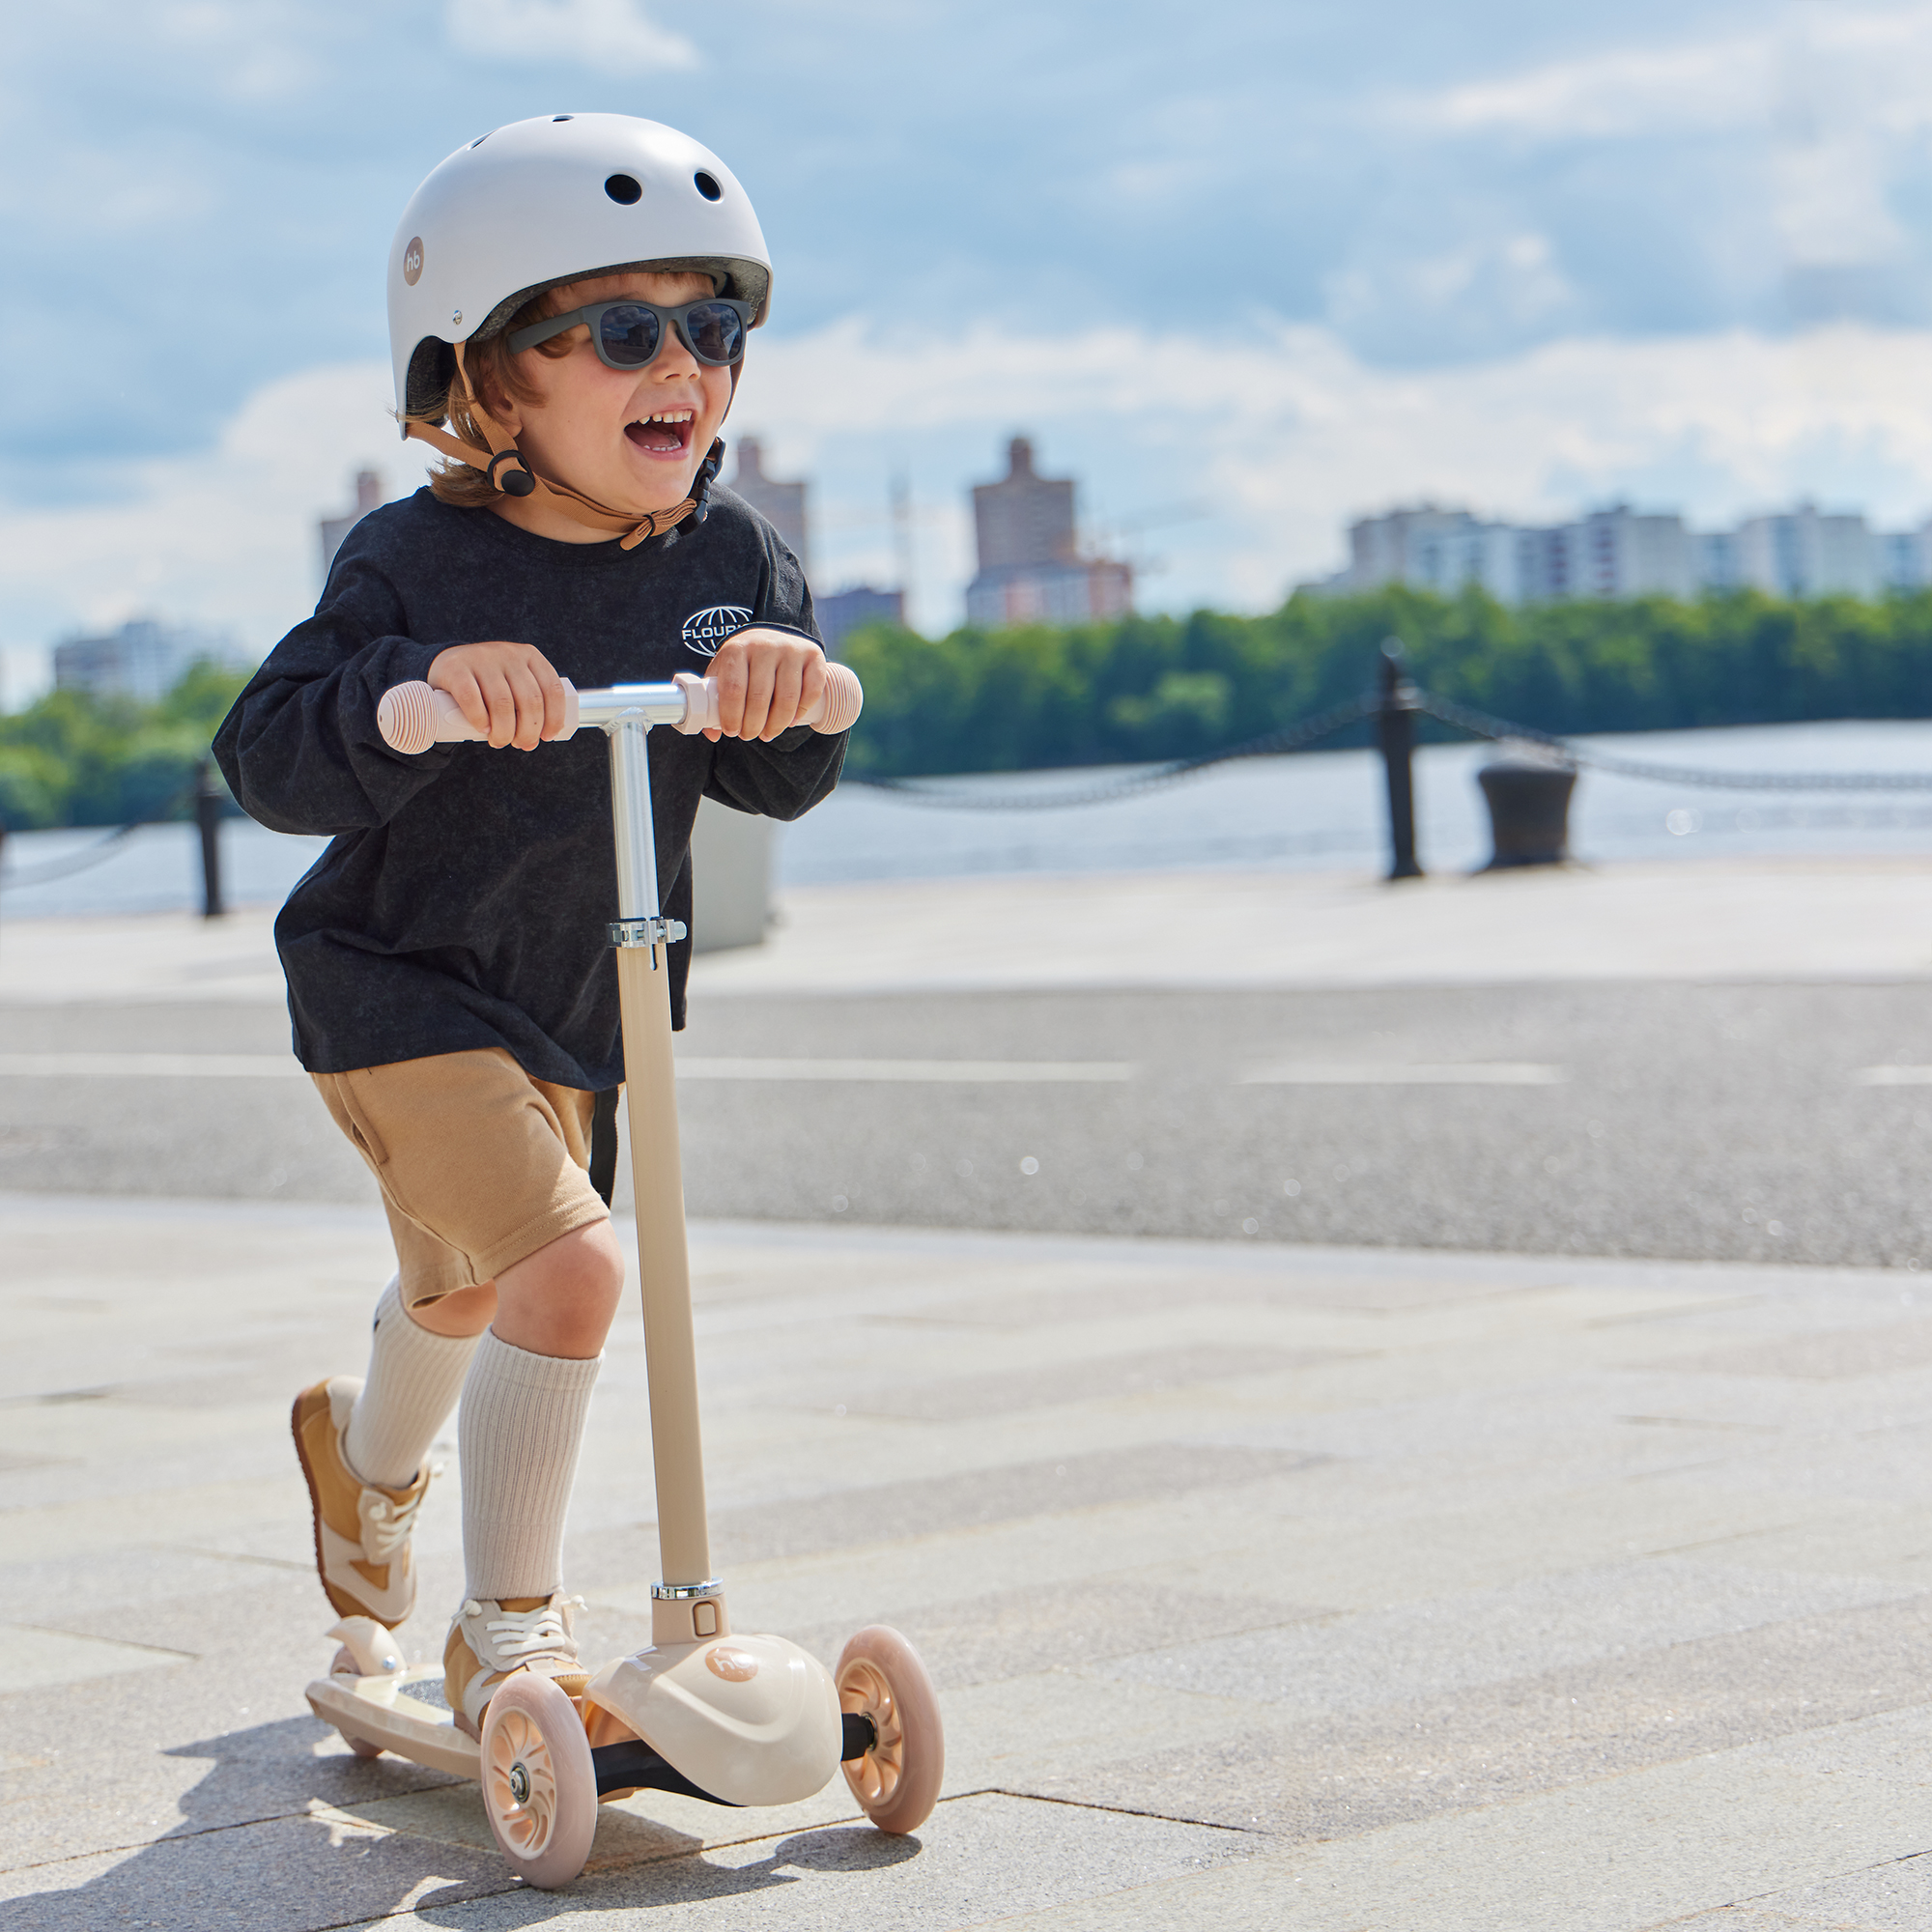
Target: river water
<point x="1314" y="811"/>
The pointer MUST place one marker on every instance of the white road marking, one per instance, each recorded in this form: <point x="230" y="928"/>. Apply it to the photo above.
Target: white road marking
<point x="1400" y="1073"/>
<point x="150" y="1065"/>
<point x="276" y="1067"/>
<point x="987" y="1071"/>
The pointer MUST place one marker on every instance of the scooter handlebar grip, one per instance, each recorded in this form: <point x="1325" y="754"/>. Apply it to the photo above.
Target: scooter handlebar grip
<point x="838" y="705"/>
<point x="843" y="699"/>
<point x="414" y="716"/>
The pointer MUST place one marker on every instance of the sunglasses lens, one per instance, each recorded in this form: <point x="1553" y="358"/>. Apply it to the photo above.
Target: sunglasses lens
<point x="715" y="332"/>
<point x="628" y="335"/>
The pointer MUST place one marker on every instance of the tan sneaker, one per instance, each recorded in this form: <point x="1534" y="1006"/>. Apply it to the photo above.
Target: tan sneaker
<point x="488" y="1640"/>
<point x="361" y="1532"/>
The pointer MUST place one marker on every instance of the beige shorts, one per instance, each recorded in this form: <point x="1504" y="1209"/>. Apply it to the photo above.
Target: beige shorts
<point x="480" y="1165"/>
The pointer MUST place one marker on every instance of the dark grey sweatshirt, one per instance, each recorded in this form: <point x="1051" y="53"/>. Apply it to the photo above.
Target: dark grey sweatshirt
<point x="465" y="897"/>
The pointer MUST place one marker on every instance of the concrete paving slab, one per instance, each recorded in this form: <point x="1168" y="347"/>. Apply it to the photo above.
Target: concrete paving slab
<point x="1458" y="1642"/>
<point x="1895" y="1898"/>
<point x="37" y="1659"/>
<point x="1338" y="1775"/>
<point x="1650" y="1848"/>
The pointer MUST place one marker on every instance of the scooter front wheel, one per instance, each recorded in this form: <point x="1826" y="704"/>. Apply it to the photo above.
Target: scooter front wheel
<point x="343" y="1663"/>
<point x="896" y="1779"/>
<point x="539" y="1783"/>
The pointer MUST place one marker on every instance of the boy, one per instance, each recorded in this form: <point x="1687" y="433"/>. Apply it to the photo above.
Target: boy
<point x="571" y="296"/>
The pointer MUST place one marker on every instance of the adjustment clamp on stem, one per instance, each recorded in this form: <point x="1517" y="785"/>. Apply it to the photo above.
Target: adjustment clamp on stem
<point x="672" y="1593"/>
<point x="646" y="932"/>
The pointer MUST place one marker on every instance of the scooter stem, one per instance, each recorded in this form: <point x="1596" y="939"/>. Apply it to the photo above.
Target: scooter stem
<point x="657" y="1175"/>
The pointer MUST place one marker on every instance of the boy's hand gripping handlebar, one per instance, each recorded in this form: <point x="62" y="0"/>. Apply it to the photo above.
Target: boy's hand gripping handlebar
<point x="412" y="717"/>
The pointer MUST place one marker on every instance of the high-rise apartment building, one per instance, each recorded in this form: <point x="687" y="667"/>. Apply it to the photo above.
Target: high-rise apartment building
<point x="851" y="610"/>
<point x="142" y="660"/>
<point x="1803" y="552"/>
<point x="781" y="504"/>
<point x="1030" y="569"/>
<point x="1619" y="552"/>
<point x="368" y="494"/>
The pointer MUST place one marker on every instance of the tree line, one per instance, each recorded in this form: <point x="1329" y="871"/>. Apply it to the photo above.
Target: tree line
<point x="70" y="758"/>
<point x="1148" y="688"/>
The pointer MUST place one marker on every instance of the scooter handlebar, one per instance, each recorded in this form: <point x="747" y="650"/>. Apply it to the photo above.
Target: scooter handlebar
<point x="412" y="717"/>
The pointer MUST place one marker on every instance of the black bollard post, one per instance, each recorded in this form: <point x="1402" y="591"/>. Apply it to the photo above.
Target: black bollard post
<point x="208" y="816"/>
<point x="1395" y="726"/>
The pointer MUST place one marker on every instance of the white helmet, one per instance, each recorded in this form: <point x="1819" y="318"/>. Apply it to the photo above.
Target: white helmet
<point x="555" y="200"/>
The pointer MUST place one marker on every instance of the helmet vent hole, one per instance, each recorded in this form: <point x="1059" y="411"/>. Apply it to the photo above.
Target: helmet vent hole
<point x="707" y="186"/>
<point x="623" y="189"/>
<point x="554" y="118"/>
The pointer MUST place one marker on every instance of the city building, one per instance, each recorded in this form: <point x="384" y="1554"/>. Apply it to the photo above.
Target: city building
<point x="368" y="494"/>
<point x="142" y="660"/>
<point x="1619" y="552"/>
<point x="781" y="504"/>
<point x="1031" y="566"/>
<point x="1434" y="549"/>
<point x="1803" y="554"/>
<point x="852" y="609"/>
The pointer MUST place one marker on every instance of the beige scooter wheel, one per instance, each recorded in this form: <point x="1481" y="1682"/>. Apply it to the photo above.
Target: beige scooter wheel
<point x="343" y="1663"/>
<point x="539" y="1783"/>
<point x="897" y="1783"/>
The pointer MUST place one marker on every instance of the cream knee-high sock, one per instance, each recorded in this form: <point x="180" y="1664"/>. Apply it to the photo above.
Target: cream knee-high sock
<point x="517" y="1432"/>
<point x="415" y="1378"/>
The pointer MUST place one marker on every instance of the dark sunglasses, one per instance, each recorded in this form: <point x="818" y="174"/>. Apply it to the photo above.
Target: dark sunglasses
<point x="628" y="334"/>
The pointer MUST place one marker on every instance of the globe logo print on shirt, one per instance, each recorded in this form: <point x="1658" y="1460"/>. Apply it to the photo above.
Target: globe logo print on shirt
<point x="705" y="629"/>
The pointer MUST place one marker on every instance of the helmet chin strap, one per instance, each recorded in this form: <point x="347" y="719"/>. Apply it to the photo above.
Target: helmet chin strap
<point x="502" y="462"/>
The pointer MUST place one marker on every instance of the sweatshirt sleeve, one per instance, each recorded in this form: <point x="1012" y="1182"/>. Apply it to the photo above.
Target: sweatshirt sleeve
<point x="300" y="749"/>
<point x="799" y="768"/>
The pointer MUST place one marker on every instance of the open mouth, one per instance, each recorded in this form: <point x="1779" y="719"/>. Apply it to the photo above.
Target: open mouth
<point x="665" y="434"/>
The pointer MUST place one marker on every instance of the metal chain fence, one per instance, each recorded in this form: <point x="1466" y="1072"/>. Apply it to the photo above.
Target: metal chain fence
<point x="1272" y="744"/>
<point x="1482" y="725"/>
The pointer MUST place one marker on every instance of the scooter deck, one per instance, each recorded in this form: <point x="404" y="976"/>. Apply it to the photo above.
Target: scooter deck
<point x="380" y="1711"/>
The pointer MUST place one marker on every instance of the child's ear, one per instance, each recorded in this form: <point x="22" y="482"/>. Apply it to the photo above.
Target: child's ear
<point x="502" y="409"/>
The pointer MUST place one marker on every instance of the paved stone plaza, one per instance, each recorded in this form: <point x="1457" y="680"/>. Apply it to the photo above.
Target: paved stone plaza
<point x="1265" y="1583"/>
<point x="1263" y="1586"/>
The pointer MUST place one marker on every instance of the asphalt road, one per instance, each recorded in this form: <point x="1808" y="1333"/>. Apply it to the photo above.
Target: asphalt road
<point x="1627" y="1119"/>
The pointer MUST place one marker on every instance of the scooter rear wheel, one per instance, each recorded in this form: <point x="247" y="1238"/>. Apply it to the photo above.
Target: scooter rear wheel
<point x="539" y="1783"/>
<point x="896" y="1782"/>
<point x="343" y="1663"/>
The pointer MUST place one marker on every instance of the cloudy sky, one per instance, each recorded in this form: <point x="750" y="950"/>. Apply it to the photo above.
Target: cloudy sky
<point x="1247" y="269"/>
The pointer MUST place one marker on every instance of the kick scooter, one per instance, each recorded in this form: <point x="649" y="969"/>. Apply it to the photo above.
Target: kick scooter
<point x="704" y="1710"/>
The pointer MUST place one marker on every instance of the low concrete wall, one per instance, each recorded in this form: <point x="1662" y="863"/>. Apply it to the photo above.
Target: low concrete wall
<point x="731" y="878"/>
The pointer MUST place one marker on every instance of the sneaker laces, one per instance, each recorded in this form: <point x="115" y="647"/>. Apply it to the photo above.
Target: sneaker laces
<point x="518" y="1635"/>
<point x="386" y="1525"/>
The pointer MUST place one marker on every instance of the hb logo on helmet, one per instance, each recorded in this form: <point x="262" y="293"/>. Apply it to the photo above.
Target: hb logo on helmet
<point x="413" y="260"/>
<point x="705" y="629"/>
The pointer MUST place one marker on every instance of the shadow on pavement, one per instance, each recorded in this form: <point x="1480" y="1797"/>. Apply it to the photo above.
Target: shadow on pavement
<point x="252" y="1854"/>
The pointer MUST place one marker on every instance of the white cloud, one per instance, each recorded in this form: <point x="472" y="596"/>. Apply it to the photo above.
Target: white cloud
<point x="1286" y="435"/>
<point x="612" y="36"/>
<point x="1723" y="83"/>
<point x="225" y="537"/>
<point x="1833" y="103"/>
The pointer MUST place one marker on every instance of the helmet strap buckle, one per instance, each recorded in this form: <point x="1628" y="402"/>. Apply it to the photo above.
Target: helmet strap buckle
<point x="519" y="482"/>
